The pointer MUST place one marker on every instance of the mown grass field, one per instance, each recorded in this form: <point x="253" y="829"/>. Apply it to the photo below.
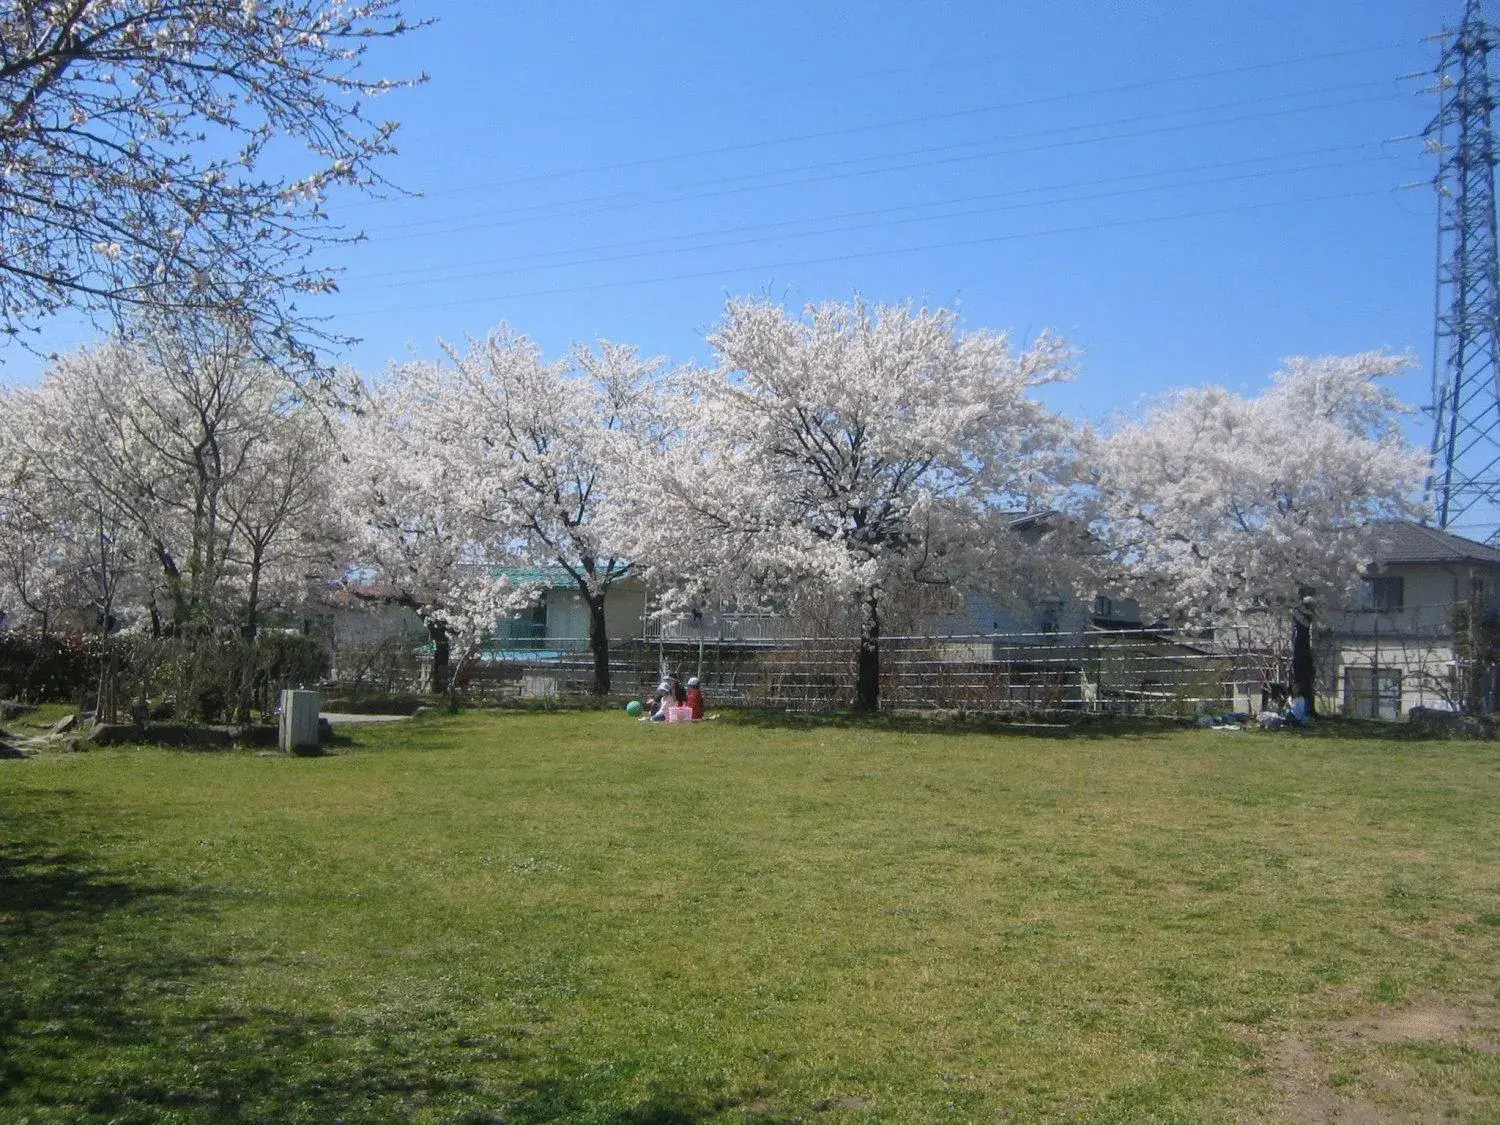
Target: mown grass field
<point x="536" y="918"/>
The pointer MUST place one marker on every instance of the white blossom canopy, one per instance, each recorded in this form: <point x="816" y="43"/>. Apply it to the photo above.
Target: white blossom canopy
<point x="180" y="465"/>
<point x="1218" y="505"/>
<point x="178" y="154"/>
<point x="850" y="450"/>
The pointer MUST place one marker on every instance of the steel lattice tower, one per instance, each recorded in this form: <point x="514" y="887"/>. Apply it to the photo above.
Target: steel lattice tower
<point x="1464" y="480"/>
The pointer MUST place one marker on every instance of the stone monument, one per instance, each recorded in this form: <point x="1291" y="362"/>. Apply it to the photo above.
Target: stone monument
<point x="299" y="722"/>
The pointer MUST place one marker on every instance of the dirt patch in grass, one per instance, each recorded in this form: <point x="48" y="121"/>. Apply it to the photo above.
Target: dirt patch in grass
<point x="1367" y="1069"/>
<point x="1426" y="1023"/>
<point x="1302" y="1081"/>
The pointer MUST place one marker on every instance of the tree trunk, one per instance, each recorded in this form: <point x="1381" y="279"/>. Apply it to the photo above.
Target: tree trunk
<point x="252" y="603"/>
<point x="1304" y="671"/>
<point x="456" y="668"/>
<point x="245" y="695"/>
<point x="439" y="637"/>
<point x="867" y="674"/>
<point x="599" y="643"/>
<point x="105" y="706"/>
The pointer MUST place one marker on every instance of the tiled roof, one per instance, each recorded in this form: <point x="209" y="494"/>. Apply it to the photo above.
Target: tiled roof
<point x="1401" y="541"/>
<point x="357" y="593"/>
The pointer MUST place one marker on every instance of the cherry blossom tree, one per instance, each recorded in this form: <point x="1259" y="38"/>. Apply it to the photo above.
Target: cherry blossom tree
<point x="218" y="471"/>
<point x="70" y="558"/>
<point x="850" y="452"/>
<point x="94" y="537"/>
<point x="33" y="563"/>
<point x="413" y="541"/>
<point x="1221" y="509"/>
<point x="160" y="432"/>
<point x="284" y="531"/>
<point x="150" y="154"/>
<point x="525" y="455"/>
<point x="178" y="489"/>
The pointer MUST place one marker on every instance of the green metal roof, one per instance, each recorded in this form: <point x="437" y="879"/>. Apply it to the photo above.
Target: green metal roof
<point x="551" y="577"/>
<point x="548" y="576"/>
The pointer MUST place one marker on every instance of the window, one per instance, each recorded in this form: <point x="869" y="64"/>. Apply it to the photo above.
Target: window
<point x="529" y="624"/>
<point x="1372" y="693"/>
<point x="1384" y="594"/>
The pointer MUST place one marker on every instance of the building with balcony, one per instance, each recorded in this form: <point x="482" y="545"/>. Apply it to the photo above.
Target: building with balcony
<point x="1419" y="634"/>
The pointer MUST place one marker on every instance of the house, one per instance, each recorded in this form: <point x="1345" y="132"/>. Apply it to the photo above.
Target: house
<point x="1413" y="638"/>
<point x="561" y="614"/>
<point x="544" y="650"/>
<point x="379" y="640"/>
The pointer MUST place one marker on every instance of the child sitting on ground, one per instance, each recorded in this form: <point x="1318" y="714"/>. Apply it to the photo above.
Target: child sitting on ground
<point x="657" y="703"/>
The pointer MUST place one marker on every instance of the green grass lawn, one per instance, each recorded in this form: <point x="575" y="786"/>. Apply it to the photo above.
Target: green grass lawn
<point x="559" y="917"/>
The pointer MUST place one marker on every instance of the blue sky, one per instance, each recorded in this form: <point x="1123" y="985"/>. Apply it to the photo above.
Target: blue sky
<point x="1186" y="192"/>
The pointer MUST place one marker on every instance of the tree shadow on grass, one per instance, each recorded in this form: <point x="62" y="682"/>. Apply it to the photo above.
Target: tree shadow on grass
<point x="104" y="1016"/>
<point x="52" y="978"/>
<point x="41" y="891"/>
<point x="1349" y="728"/>
<point x="550" y="1101"/>
<point x="1051" y="725"/>
<point x="1064" y="726"/>
<point x="101" y="1018"/>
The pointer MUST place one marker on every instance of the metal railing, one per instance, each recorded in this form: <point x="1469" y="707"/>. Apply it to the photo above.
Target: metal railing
<point x="724" y="628"/>
<point x="1119" y="671"/>
<point x="1134" y="672"/>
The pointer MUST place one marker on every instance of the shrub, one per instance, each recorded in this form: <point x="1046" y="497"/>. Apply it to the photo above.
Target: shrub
<point x="285" y="660"/>
<point x="50" y="669"/>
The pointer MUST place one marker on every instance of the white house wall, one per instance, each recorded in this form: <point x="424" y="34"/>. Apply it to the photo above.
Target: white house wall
<point x="568" y="613"/>
<point x="985" y="614"/>
<point x="1426" y="669"/>
<point x="1416" y="640"/>
<point x="374" y="624"/>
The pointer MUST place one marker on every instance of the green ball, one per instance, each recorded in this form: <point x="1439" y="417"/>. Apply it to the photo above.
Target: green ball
<point x="633" y="708"/>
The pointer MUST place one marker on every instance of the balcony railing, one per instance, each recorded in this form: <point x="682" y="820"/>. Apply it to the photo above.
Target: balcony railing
<point x="737" y="628"/>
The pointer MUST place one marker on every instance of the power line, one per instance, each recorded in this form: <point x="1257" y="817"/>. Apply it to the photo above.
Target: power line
<point x="619" y="201"/>
<point x="760" y="88"/>
<point x="885" y="223"/>
<point x="921" y="119"/>
<point x="739" y="178"/>
<point x="889" y="210"/>
<point x="864" y="254"/>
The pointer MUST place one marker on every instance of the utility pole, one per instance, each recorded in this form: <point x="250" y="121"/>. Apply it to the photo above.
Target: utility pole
<point x="1463" y="483"/>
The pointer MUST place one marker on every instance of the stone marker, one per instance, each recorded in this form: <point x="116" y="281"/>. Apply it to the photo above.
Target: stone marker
<point x="299" y="722"/>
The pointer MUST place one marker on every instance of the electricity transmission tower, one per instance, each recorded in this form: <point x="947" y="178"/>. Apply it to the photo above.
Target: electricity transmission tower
<point x="1463" y="484"/>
